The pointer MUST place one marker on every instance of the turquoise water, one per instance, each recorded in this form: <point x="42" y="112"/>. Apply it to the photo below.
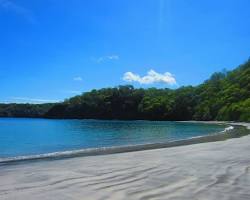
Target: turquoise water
<point x="22" y="137"/>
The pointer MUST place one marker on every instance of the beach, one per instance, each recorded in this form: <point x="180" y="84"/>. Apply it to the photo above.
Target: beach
<point x="206" y="171"/>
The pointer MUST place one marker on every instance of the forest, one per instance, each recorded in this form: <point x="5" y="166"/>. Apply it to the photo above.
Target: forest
<point x="24" y="110"/>
<point x="224" y="96"/>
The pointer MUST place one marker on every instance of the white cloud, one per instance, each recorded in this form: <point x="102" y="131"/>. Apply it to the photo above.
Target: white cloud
<point x="31" y="100"/>
<point x="72" y="91"/>
<point x="78" y="78"/>
<point x="113" y="57"/>
<point x="106" y="58"/>
<point x="151" y="77"/>
<point x="11" y="6"/>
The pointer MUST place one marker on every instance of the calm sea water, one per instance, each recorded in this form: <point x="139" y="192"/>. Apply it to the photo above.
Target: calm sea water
<point x="21" y="137"/>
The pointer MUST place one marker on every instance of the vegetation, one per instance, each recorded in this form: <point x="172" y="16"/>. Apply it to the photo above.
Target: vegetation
<point x="24" y="110"/>
<point x="225" y="96"/>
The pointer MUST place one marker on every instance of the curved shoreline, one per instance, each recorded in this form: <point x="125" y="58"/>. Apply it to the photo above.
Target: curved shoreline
<point x="215" y="170"/>
<point x="233" y="131"/>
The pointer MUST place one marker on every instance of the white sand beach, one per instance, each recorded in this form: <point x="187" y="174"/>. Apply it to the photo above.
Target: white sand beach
<point x="207" y="171"/>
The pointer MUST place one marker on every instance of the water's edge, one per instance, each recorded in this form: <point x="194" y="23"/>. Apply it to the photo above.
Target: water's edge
<point x="233" y="131"/>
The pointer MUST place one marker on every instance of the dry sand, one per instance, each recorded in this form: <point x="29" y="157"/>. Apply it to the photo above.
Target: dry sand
<point x="216" y="170"/>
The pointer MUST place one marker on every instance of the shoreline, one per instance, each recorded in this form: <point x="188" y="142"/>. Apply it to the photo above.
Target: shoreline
<point x="213" y="170"/>
<point x="235" y="132"/>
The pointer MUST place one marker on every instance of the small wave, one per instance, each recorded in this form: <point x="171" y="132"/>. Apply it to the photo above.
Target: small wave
<point x="60" y="154"/>
<point x="225" y="130"/>
<point x="228" y="129"/>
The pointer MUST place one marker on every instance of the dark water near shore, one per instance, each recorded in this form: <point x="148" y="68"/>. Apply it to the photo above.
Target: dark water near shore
<point x="25" y="137"/>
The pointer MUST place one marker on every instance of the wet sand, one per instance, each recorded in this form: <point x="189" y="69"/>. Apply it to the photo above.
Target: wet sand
<point x="215" y="170"/>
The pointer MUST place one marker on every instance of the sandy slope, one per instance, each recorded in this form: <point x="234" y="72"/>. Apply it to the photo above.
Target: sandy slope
<point x="218" y="170"/>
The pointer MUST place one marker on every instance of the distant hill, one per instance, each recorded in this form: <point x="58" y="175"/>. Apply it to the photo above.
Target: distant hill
<point x="225" y="96"/>
<point x="24" y="110"/>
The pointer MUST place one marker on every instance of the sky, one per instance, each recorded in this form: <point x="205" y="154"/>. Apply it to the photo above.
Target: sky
<point x="54" y="49"/>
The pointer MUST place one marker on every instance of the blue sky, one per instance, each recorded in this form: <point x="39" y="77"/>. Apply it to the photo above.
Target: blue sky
<point x="54" y="49"/>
